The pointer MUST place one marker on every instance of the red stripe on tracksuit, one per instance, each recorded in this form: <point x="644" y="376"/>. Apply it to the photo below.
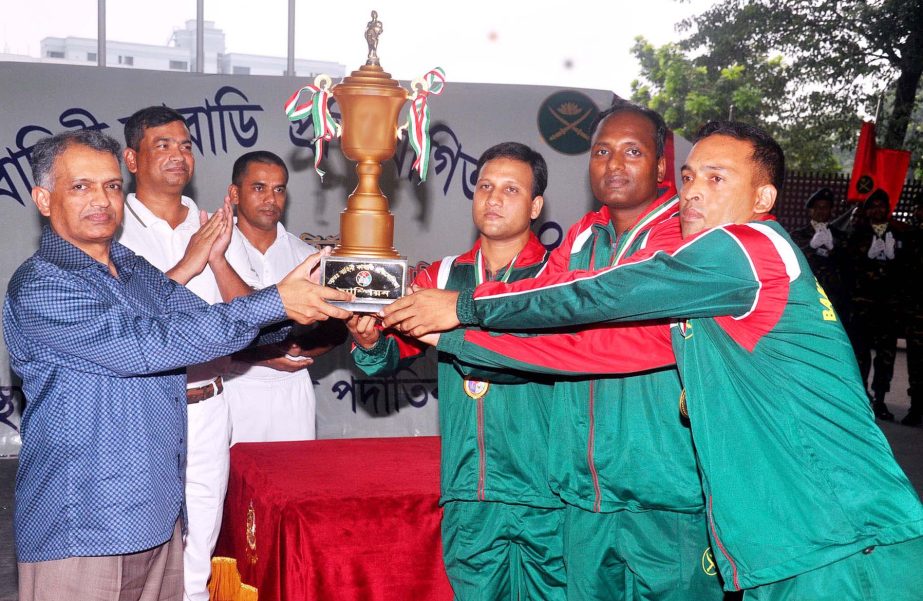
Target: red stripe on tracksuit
<point x="773" y="293"/>
<point x="615" y="349"/>
<point x="714" y="533"/>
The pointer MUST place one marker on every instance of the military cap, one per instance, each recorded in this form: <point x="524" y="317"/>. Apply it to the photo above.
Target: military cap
<point x="821" y="194"/>
<point x="878" y="195"/>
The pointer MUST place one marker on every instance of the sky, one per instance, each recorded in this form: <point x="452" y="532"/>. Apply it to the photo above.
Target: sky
<point x="567" y="43"/>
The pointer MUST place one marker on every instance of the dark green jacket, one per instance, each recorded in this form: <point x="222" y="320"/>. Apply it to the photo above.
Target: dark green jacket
<point x="495" y="447"/>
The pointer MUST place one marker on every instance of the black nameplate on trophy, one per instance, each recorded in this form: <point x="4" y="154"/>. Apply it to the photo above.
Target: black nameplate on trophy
<point x="375" y="282"/>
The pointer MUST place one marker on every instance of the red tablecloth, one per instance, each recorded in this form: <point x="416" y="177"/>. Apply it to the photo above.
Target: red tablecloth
<point x="337" y="519"/>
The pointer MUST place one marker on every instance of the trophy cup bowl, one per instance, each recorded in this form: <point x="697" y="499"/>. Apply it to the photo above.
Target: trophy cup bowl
<point x="365" y="262"/>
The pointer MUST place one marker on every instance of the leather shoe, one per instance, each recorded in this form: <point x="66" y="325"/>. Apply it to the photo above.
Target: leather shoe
<point x="881" y="412"/>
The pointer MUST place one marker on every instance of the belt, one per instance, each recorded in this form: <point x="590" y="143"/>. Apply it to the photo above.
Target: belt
<point x="203" y="393"/>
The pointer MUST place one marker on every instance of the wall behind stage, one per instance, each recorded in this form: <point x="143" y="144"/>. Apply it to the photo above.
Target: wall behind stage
<point x="230" y="115"/>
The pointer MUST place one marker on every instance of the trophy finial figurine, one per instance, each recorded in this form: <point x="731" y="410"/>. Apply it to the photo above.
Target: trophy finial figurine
<point x="372" y="31"/>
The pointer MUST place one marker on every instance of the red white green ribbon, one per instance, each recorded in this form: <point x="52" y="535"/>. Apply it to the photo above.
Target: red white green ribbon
<point x="325" y="126"/>
<point x="418" y="117"/>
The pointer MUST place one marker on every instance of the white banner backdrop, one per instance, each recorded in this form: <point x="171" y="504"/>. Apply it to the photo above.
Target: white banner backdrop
<point x="230" y="115"/>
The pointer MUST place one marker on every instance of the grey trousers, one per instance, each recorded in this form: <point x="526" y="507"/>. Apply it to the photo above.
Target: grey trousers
<point x="152" y="575"/>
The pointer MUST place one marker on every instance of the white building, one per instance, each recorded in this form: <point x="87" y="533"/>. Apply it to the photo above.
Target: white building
<point x="180" y="56"/>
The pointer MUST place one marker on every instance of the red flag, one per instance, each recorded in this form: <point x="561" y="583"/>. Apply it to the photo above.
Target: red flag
<point x="669" y="178"/>
<point x="875" y="168"/>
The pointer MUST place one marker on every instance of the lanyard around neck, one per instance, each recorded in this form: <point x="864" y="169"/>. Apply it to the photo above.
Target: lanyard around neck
<point x="480" y="275"/>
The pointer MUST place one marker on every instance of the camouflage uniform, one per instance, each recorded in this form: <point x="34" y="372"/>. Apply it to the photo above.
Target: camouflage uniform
<point x="875" y="304"/>
<point x="823" y="242"/>
<point x="827" y="265"/>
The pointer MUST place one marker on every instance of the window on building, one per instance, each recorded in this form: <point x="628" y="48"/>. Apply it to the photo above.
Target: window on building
<point x="55" y="54"/>
<point x="126" y="60"/>
<point x="179" y="65"/>
<point x="91" y="56"/>
<point x="241" y="71"/>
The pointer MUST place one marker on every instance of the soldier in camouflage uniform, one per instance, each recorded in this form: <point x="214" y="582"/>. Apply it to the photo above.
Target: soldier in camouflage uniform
<point x="873" y="252"/>
<point x="913" y="306"/>
<point x="823" y="244"/>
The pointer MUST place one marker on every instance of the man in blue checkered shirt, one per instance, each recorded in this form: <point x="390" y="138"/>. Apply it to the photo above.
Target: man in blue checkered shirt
<point x="101" y="338"/>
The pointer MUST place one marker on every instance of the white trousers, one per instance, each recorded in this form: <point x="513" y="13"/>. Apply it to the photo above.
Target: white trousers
<point x="207" y="467"/>
<point x="270" y="410"/>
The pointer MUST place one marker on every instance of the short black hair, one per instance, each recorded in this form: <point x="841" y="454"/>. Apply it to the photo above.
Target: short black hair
<point x="620" y="105"/>
<point x="47" y="150"/>
<point x="520" y="152"/>
<point x="767" y="153"/>
<point x="152" y="116"/>
<point x="257" y="156"/>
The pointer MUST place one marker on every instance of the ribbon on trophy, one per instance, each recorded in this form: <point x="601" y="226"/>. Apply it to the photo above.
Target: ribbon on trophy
<point x="325" y="126"/>
<point x="418" y="117"/>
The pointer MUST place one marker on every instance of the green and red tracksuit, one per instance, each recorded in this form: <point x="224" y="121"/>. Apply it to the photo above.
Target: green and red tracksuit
<point x="799" y="481"/>
<point x="502" y="523"/>
<point x="618" y="443"/>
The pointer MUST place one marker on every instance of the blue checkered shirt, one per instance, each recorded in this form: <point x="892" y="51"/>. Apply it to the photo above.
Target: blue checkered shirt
<point x="101" y="359"/>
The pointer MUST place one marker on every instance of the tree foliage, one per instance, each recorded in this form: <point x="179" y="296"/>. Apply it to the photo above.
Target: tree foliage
<point x="806" y="69"/>
<point x="689" y="92"/>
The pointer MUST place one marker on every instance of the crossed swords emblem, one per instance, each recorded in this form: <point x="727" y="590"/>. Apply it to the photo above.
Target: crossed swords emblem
<point x="569" y="125"/>
<point x="865" y="184"/>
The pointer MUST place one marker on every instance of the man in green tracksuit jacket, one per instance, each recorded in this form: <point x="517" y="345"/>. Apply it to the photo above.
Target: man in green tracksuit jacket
<point x="502" y="524"/>
<point x="804" y="498"/>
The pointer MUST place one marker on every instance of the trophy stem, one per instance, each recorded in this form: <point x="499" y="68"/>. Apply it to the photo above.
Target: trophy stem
<point x="367" y="226"/>
<point x="368" y="194"/>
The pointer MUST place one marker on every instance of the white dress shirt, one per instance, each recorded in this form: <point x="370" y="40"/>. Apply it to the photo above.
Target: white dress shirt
<point x="267" y="404"/>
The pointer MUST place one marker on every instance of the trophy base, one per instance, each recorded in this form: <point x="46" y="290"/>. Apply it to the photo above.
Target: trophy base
<point x="375" y="282"/>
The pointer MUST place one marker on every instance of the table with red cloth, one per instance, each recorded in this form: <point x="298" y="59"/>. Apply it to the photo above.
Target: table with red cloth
<point x="337" y="519"/>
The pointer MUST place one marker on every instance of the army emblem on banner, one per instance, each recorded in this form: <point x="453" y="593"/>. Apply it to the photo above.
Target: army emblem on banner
<point x="865" y="184"/>
<point x="565" y="119"/>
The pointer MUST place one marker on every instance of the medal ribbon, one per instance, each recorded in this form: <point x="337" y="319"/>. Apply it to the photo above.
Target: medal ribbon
<point x="629" y="236"/>
<point x="325" y="126"/>
<point x="418" y="118"/>
<point x="481" y="274"/>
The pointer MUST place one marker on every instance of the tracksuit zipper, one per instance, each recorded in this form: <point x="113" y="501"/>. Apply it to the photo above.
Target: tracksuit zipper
<point x="589" y="451"/>
<point x="591" y="438"/>
<point x="481" y="275"/>
<point x="482" y="451"/>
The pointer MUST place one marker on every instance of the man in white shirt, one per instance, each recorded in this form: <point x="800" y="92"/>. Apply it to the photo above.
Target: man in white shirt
<point x="269" y="391"/>
<point x="163" y="226"/>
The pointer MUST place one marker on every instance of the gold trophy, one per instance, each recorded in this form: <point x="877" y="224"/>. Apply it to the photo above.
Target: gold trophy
<point x="365" y="262"/>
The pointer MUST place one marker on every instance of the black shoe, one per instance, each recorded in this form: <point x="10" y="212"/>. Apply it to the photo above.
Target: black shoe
<point x="913" y="418"/>
<point x="881" y="412"/>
